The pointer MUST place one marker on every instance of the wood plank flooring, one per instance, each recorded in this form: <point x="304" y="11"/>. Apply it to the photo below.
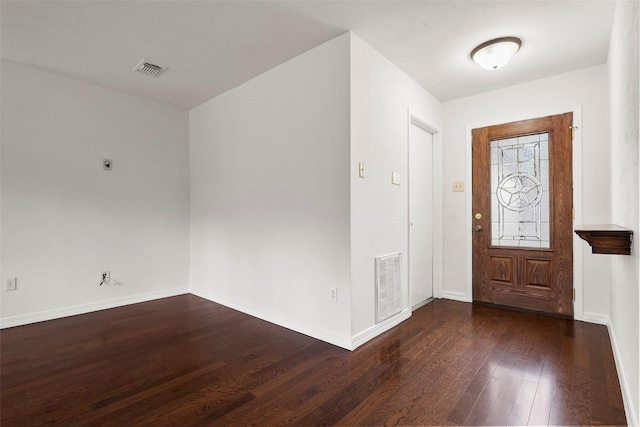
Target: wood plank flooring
<point x="187" y="361"/>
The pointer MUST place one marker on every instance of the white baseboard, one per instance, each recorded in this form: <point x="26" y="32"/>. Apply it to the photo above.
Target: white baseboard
<point x="58" y="313"/>
<point x="629" y="410"/>
<point x="313" y="331"/>
<point x="456" y="296"/>
<point x="376" y="330"/>
<point x="421" y="304"/>
<point x="597" y="318"/>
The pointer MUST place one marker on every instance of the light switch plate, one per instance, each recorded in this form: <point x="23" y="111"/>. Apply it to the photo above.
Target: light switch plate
<point x="395" y="178"/>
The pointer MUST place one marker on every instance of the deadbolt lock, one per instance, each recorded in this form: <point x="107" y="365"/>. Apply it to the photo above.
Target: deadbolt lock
<point x="478" y="216"/>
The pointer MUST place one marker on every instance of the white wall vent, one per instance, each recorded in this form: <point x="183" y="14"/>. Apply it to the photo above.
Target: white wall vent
<point x="150" y="69"/>
<point x="388" y="287"/>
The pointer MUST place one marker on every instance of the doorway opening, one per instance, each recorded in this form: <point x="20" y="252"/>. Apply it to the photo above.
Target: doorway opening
<point x="421" y="214"/>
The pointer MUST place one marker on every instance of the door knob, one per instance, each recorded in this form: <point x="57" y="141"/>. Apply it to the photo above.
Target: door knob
<point x="478" y="227"/>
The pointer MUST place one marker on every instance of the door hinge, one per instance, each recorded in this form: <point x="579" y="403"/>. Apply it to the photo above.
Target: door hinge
<point x="573" y="131"/>
<point x="574" y="294"/>
<point x="573" y="214"/>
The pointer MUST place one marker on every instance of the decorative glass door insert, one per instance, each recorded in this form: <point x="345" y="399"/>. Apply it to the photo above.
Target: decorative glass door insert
<point x="520" y="191"/>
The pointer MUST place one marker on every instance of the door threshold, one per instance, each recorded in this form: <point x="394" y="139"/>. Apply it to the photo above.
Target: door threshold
<point x="524" y="310"/>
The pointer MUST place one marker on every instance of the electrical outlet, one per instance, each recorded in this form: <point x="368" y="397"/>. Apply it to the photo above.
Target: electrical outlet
<point x="334" y="295"/>
<point x="11" y="284"/>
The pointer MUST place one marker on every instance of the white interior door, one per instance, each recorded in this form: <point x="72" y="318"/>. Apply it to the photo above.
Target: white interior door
<point x="420" y="215"/>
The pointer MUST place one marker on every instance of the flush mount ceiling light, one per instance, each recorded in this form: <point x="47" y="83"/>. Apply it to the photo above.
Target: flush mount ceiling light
<point x="496" y="53"/>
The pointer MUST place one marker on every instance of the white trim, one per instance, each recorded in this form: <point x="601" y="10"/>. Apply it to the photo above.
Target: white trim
<point x="376" y="330"/>
<point x="629" y="409"/>
<point x="578" y="244"/>
<point x="438" y="215"/>
<point x="415" y="120"/>
<point x="578" y="281"/>
<point x="457" y="296"/>
<point x="421" y="304"/>
<point x="295" y="325"/>
<point x="596" y="318"/>
<point x="9" y="322"/>
<point x="468" y="223"/>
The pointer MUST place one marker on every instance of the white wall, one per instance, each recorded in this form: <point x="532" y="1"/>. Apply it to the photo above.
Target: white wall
<point x="585" y="90"/>
<point x="270" y="195"/>
<point x="65" y="219"/>
<point x="381" y="98"/>
<point x="625" y="195"/>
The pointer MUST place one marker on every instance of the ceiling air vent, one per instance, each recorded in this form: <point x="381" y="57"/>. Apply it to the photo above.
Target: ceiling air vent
<point x="149" y="68"/>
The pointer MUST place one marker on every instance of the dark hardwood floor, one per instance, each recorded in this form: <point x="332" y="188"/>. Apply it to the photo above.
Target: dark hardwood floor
<point x="187" y="361"/>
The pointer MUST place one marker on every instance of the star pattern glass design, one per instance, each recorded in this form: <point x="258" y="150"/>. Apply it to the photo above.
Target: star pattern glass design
<point x="519" y="192"/>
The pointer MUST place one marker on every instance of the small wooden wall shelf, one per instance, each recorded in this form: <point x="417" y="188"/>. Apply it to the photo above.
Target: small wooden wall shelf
<point x="606" y="238"/>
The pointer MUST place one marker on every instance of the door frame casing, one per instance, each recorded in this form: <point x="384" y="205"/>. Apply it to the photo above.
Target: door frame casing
<point x="578" y="310"/>
<point x="437" y="219"/>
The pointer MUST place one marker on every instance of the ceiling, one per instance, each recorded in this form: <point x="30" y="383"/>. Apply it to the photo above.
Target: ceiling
<point x="211" y="47"/>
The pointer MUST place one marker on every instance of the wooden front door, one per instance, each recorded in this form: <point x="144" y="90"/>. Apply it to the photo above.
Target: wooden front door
<point x="522" y="214"/>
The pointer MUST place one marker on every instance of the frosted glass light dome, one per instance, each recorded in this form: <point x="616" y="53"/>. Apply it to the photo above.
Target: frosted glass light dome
<point x="496" y="53"/>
